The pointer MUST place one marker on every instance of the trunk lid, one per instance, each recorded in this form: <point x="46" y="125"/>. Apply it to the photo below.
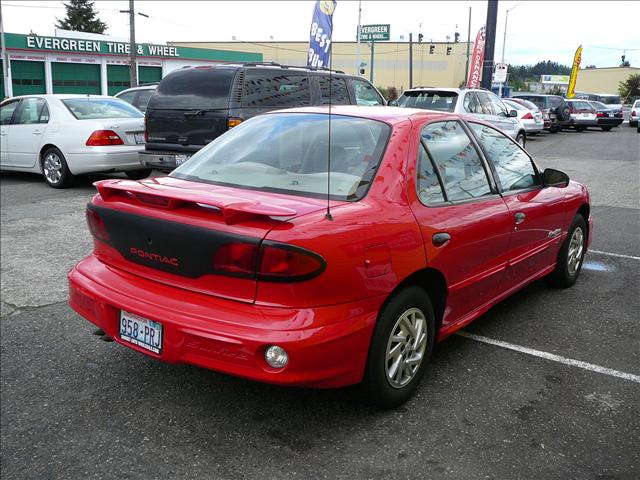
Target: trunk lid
<point x="187" y="234"/>
<point x="184" y="129"/>
<point x="130" y="130"/>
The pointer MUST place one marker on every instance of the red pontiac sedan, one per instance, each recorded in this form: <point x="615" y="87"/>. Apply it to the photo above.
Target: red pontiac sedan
<point x="252" y="260"/>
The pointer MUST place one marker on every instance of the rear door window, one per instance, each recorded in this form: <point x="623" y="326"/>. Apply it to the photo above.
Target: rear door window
<point x="458" y="162"/>
<point x="338" y="93"/>
<point x="33" y="110"/>
<point x="275" y="89"/>
<point x="365" y="93"/>
<point x="143" y="99"/>
<point x="127" y="97"/>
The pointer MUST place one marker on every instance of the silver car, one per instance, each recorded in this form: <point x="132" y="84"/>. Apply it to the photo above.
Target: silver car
<point x="478" y="103"/>
<point x="530" y="117"/>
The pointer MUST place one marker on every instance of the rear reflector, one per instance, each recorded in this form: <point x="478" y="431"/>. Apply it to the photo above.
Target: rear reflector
<point x="101" y="138"/>
<point x="97" y="226"/>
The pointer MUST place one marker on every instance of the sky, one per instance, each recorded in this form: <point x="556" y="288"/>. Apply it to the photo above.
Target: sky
<point x="537" y="30"/>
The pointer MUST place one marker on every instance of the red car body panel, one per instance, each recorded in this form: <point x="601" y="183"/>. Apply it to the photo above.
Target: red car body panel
<point x="371" y="247"/>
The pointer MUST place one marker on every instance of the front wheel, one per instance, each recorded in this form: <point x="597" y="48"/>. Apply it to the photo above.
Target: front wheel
<point x="400" y="348"/>
<point x="571" y="255"/>
<point x="55" y="169"/>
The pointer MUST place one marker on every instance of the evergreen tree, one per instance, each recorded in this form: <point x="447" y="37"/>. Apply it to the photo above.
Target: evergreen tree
<point x="81" y="17"/>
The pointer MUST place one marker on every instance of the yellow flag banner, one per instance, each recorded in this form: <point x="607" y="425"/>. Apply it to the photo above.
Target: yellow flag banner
<point x="574" y="73"/>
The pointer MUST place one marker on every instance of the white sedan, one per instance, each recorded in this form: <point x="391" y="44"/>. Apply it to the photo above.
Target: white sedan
<point x="61" y="136"/>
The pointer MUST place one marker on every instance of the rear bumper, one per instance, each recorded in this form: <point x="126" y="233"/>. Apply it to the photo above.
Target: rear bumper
<point x="166" y="161"/>
<point x="104" y="159"/>
<point x="609" y="122"/>
<point x="533" y="127"/>
<point x="327" y="346"/>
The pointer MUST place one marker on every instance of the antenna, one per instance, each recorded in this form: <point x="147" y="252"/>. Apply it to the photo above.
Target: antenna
<point x="328" y="215"/>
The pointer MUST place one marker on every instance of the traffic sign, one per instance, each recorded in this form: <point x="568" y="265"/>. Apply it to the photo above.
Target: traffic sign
<point x="500" y="74"/>
<point x="374" y="33"/>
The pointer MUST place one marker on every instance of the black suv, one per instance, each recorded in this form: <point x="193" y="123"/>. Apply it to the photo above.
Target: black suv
<point x="194" y="105"/>
<point x="554" y="106"/>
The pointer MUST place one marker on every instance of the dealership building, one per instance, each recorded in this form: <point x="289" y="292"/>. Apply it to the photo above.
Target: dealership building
<point x="74" y="62"/>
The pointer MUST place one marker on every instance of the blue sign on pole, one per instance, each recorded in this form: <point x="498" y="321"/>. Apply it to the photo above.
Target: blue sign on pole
<point x="320" y="37"/>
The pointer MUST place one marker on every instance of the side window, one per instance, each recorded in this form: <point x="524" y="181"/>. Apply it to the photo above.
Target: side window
<point x="339" y="92"/>
<point x="6" y="112"/>
<point x="485" y="106"/>
<point x="266" y="88"/>
<point x="498" y="106"/>
<point x="31" y="110"/>
<point x="429" y="188"/>
<point x="128" y="97"/>
<point x="365" y="93"/>
<point x="457" y="161"/>
<point x="143" y="99"/>
<point x="470" y="103"/>
<point x="514" y="167"/>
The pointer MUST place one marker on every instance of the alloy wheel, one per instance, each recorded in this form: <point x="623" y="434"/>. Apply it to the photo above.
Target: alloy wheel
<point x="52" y="166"/>
<point x="574" y="255"/>
<point x="406" y="347"/>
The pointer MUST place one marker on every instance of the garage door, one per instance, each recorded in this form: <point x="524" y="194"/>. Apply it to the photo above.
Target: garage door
<point x="27" y="78"/>
<point x="118" y="78"/>
<point x="1" y="82"/>
<point x="75" y="78"/>
<point x="149" y="75"/>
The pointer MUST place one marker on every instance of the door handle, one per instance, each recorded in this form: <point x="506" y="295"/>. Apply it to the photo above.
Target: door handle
<point x="36" y="132"/>
<point x="440" y="238"/>
<point x="519" y="217"/>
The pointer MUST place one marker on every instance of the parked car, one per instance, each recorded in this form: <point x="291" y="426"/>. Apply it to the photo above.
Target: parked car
<point x="247" y="261"/>
<point x="606" y="117"/>
<point x="61" y="136"/>
<point x="634" y="114"/>
<point x="582" y="113"/>
<point x="138" y="96"/>
<point x="555" y="105"/>
<point x="531" y="120"/>
<point x="534" y="108"/>
<point x="478" y="103"/>
<point x="194" y="105"/>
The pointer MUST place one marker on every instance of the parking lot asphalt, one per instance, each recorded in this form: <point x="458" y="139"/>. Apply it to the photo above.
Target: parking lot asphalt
<point x="74" y="406"/>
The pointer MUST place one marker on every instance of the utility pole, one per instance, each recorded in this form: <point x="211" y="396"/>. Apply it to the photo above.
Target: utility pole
<point x="6" y="64"/>
<point x="133" y="63"/>
<point x="358" y="39"/>
<point x="371" y="71"/>
<point x="466" y="65"/>
<point x="411" y="60"/>
<point x="487" y="68"/>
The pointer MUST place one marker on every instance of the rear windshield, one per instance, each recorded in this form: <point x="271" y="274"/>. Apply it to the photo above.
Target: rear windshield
<point x="610" y="99"/>
<point x="515" y="105"/>
<point x="198" y="88"/>
<point x="97" y="108"/>
<point x="538" y="101"/>
<point x="433" y="100"/>
<point x="288" y="153"/>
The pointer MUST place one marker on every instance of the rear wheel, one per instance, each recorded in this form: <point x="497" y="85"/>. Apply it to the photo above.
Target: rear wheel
<point x="400" y="348"/>
<point x="55" y="170"/>
<point x="554" y="129"/>
<point x="571" y="255"/>
<point x="138" y="174"/>
<point x="606" y="129"/>
<point x="521" y="139"/>
<point x="580" y="128"/>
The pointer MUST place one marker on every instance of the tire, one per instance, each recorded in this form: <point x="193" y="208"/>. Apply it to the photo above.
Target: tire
<point x="580" y="128"/>
<point x="55" y="170"/>
<point x="563" y="113"/>
<point x="407" y="312"/>
<point x="606" y="129"/>
<point x="521" y="139"/>
<point x="571" y="255"/>
<point x="138" y="174"/>
<point x="554" y="129"/>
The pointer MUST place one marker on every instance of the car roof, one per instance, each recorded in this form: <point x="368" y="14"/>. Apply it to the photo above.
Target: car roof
<point x="443" y="89"/>
<point x="390" y="115"/>
<point x="135" y="89"/>
<point x="58" y="96"/>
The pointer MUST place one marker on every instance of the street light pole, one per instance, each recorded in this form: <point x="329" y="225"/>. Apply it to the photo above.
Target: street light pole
<point x="504" y="39"/>
<point x="6" y="63"/>
<point x="358" y="39"/>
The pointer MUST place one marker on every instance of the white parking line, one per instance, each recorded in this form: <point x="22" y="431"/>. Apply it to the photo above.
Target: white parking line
<point x="614" y="254"/>
<point x="552" y="357"/>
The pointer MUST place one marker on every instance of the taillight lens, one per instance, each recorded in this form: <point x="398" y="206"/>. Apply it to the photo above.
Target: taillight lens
<point x="288" y="263"/>
<point x="527" y="116"/>
<point x="97" y="226"/>
<point x="233" y="122"/>
<point x="600" y="114"/>
<point x="101" y="138"/>
<point x="633" y="113"/>
<point x="236" y="259"/>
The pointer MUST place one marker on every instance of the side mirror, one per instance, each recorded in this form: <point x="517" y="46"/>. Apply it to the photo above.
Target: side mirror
<point x="393" y="103"/>
<point x="513" y="113"/>
<point x="555" y="178"/>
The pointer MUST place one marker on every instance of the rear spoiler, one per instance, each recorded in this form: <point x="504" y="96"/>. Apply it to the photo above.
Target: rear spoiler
<point x="233" y="209"/>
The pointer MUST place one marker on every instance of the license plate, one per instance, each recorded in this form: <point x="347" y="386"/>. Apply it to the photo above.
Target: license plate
<point x="610" y="114"/>
<point x="139" y="137"/>
<point x="180" y="159"/>
<point x="141" y="331"/>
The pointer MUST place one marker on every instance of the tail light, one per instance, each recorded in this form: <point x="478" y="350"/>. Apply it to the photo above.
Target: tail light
<point x="101" y="138"/>
<point x="274" y="262"/>
<point x="233" y="122"/>
<point x="600" y="114"/>
<point x="97" y="226"/>
<point x="633" y="113"/>
<point x="527" y="116"/>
